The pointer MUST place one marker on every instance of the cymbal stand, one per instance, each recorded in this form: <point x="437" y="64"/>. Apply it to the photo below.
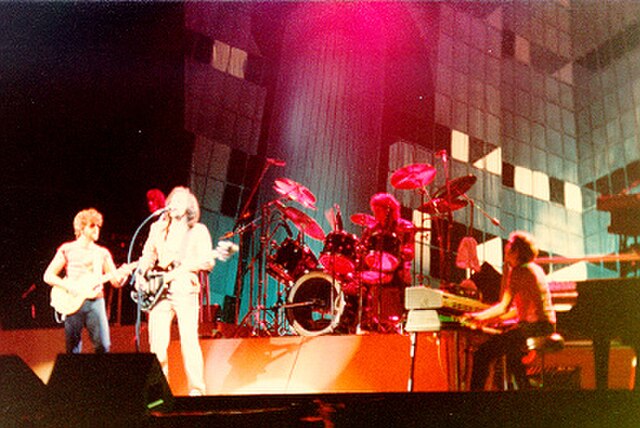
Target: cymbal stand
<point x="244" y="214"/>
<point x="266" y="235"/>
<point x="445" y="250"/>
<point x="424" y="193"/>
<point x="257" y="312"/>
<point x="251" y="268"/>
<point x="360" y="302"/>
<point x="278" y="323"/>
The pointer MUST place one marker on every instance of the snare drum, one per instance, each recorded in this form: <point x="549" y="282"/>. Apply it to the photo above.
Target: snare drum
<point x="290" y="261"/>
<point x="339" y="253"/>
<point x="383" y="252"/>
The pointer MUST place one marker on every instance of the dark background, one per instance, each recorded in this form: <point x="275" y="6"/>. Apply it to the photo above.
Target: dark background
<point x="91" y="116"/>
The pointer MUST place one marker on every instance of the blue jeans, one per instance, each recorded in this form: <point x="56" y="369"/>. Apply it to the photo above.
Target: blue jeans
<point x="93" y="315"/>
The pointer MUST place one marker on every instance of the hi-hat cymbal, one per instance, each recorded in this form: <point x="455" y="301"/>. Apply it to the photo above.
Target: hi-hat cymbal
<point x="413" y="176"/>
<point x="459" y="186"/>
<point x="306" y="224"/>
<point x="439" y="206"/>
<point x="363" y="219"/>
<point x="296" y="192"/>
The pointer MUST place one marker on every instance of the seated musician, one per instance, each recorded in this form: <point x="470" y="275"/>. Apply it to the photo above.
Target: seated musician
<point x="397" y="242"/>
<point x="525" y="289"/>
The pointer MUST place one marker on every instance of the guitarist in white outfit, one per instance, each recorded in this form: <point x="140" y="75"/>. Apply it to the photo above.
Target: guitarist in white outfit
<point x="181" y="246"/>
<point x="85" y="264"/>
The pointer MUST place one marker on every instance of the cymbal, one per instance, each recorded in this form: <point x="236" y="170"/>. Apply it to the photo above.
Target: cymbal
<point x="413" y="176"/>
<point x="306" y="224"/>
<point x="439" y="205"/>
<point x="363" y="219"/>
<point x="295" y="191"/>
<point x="459" y="186"/>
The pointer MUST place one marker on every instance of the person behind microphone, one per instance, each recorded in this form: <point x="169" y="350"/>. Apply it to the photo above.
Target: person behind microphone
<point x="524" y="287"/>
<point x="155" y="200"/>
<point x="181" y="246"/>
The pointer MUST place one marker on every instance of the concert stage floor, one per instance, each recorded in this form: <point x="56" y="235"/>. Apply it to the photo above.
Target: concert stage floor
<point x="354" y="380"/>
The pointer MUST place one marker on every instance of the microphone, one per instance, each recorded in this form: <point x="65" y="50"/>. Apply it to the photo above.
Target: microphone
<point x="162" y="210"/>
<point x="276" y="162"/>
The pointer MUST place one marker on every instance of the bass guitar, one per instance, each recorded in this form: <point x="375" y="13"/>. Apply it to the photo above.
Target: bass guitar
<point x="67" y="301"/>
<point x="152" y="284"/>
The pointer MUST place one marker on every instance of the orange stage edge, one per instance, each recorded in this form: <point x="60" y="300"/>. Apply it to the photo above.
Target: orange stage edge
<point x="323" y="364"/>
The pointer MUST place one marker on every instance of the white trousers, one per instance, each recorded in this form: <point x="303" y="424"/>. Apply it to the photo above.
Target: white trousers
<point x="184" y="305"/>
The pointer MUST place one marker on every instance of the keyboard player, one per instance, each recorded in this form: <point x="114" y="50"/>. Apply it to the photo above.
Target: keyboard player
<point x="526" y="297"/>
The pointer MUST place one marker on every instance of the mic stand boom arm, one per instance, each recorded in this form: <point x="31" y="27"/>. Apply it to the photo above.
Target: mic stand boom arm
<point x="493" y="220"/>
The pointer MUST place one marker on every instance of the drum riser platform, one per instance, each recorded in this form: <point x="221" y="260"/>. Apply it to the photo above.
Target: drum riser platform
<point x="311" y="365"/>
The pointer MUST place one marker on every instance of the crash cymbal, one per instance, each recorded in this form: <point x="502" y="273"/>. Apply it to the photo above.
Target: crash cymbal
<point x="439" y="206"/>
<point x="363" y="219"/>
<point x="459" y="186"/>
<point x="296" y="192"/>
<point x="306" y="224"/>
<point x="413" y="176"/>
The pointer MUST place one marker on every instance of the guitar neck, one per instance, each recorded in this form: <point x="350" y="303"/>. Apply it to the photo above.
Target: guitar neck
<point x="110" y="275"/>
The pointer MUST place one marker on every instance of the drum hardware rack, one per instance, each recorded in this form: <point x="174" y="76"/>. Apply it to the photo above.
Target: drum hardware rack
<point x="264" y="320"/>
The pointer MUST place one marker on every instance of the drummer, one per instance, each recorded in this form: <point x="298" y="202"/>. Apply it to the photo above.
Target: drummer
<point x="388" y="296"/>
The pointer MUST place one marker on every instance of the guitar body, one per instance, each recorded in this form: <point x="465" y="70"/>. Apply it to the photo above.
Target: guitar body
<point x="86" y="287"/>
<point x="152" y="285"/>
<point x="67" y="302"/>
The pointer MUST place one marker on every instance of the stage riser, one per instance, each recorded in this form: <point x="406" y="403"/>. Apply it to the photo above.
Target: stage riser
<point x="325" y="364"/>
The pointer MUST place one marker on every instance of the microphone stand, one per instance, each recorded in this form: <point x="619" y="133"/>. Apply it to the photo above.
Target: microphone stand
<point x="240" y="268"/>
<point x="446" y="248"/>
<point x="135" y="273"/>
<point x="493" y="220"/>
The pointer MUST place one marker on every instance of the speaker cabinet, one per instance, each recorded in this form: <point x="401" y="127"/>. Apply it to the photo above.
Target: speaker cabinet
<point x="122" y="387"/>
<point x="21" y="391"/>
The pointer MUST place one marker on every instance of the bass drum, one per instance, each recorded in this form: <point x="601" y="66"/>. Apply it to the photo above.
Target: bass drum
<point x="315" y="304"/>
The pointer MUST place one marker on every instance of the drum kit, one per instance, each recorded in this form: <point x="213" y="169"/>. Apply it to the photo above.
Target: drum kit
<point x="330" y="293"/>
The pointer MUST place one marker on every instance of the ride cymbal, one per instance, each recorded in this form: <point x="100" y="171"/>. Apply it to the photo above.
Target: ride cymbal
<point x="459" y="186"/>
<point x="439" y="206"/>
<point x="413" y="176"/>
<point x="304" y="223"/>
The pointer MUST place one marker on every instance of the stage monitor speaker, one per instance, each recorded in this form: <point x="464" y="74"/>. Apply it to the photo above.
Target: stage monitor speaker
<point x="21" y="391"/>
<point x="116" y="386"/>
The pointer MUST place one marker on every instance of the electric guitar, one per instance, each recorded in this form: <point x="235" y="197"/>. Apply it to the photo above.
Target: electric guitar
<point x="67" y="301"/>
<point x="152" y="285"/>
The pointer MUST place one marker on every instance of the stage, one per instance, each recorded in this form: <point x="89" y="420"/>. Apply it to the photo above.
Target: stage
<point x="343" y="379"/>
